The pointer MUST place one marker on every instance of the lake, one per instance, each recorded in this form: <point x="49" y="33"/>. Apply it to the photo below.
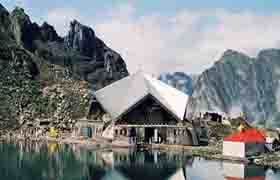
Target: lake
<point x="40" y="161"/>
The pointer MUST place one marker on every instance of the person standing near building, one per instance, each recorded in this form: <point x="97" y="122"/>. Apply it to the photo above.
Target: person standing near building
<point x="131" y="135"/>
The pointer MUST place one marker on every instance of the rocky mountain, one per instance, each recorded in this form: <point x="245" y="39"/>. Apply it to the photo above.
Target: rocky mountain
<point x="85" y="55"/>
<point x="45" y="76"/>
<point x="179" y="80"/>
<point x="238" y="83"/>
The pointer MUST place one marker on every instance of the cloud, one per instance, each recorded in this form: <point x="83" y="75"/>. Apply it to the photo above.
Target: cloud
<point x="188" y="41"/>
<point x="60" y="18"/>
<point x="20" y="3"/>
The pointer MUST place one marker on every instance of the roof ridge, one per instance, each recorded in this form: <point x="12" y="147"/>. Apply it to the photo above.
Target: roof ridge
<point x="247" y="135"/>
<point x="119" y="96"/>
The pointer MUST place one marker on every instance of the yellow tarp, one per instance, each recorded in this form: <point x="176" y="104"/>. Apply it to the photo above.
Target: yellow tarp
<point x="52" y="132"/>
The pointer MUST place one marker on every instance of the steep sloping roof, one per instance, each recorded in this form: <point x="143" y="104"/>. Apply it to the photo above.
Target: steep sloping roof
<point x="120" y="96"/>
<point x="248" y="135"/>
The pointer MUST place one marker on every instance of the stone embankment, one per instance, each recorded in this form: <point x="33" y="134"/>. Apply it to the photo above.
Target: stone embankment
<point x="215" y="153"/>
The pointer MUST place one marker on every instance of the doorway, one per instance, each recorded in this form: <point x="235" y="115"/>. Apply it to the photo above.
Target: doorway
<point x="149" y="133"/>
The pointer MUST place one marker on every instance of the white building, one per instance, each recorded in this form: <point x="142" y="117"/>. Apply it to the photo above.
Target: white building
<point x="244" y="143"/>
<point x="149" y="107"/>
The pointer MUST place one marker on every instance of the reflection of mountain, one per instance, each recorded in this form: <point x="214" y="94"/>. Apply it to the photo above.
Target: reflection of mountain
<point x="238" y="171"/>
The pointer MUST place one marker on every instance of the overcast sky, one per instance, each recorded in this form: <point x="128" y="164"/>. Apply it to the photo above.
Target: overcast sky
<point x="167" y="35"/>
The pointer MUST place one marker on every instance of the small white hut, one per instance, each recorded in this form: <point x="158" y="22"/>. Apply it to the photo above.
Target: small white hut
<point x="244" y="143"/>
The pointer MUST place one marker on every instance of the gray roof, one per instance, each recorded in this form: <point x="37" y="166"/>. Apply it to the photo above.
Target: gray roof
<point x="120" y="96"/>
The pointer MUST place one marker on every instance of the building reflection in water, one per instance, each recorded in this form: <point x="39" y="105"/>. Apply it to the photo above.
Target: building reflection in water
<point x="122" y="164"/>
<point x="43" y="161"/>
<point x="241" y="171"/>
<point x="52" y="161"/>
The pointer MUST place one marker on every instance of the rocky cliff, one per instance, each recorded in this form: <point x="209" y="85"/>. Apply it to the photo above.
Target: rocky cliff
<point x="179" y="80"/>
<point x="81" y="52"/>
<point x="47" y="77"/>
<point x="238" y="83"/>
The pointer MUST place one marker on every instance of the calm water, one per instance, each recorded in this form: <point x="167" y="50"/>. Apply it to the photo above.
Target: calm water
<point x="58" y="162"/>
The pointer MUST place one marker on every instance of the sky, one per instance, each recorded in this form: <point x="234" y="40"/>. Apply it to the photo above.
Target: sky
<point x="167" y="35"/>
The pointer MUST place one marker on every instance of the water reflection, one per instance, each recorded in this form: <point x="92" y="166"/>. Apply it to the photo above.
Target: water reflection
<point x="27" y="161"/>
<point x="122" y="164"/>
<point x="234" y="171"/>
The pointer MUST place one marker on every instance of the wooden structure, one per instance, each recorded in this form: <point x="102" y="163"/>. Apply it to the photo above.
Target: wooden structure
<point x="146" y="110"/>
<point x="88" y="128"/>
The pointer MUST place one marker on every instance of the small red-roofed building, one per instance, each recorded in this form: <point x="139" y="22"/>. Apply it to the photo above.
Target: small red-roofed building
<point x="248" y="142"/>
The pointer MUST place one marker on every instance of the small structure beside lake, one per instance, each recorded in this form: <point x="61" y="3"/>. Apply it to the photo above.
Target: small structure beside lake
<point x="247" y="142"/>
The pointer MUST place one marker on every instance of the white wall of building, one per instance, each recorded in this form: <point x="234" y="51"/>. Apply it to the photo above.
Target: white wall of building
<point x="234" y="149"/>
<point x="241" y="149"/>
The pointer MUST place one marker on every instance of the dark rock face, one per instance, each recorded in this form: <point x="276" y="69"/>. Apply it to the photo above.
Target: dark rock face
<point x="44" y="76"/>
<point x="84" y="55"/>
<point x="81" y="39"/>
<point x="48" y="33"/>
<point x="179" y="80"/>
<point x="100" y="65"/>
<point x="22" y="28"/>
<point x="26" y="33"/>
<point x="238" y="83"/>
<point x="4" y="20"/>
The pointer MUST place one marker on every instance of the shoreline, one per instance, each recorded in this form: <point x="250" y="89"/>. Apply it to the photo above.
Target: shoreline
<point x="271" y="160"/>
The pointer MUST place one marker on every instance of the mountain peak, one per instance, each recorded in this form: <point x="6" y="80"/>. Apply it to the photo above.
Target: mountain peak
<point x="3" y="12"/>
<point x="81" y="38"/>
<point x="74" y="22"/>
<point x="2" y="7"/>
<point x="45" y="24"/>
<point x="269" y="53"/>
<point x="179" y="80"/>
<point x="18" y="11"/>
<point x="18" y="15"/>
<point x="49" y="33"/>
<point x="4" y="19"/>
<point x="232" y="56"/>
<point x="231" y="52"/>
<point x="75" y="25"/>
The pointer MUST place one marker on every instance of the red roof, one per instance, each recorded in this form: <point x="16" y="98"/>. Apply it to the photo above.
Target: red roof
<point x="251" y="178"/>
<point x="248" y="135"/>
